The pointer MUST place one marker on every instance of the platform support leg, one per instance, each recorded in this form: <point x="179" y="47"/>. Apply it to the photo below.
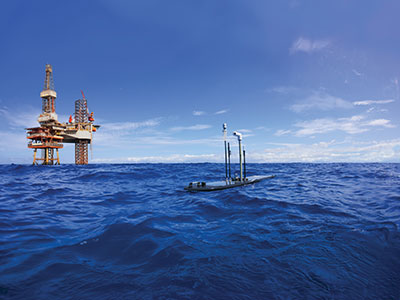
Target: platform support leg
<point x="58" y="157"/>
<point x="34" y="157"/>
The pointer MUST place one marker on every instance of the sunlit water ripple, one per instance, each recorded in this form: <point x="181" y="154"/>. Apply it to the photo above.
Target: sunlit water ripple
<point x="130" y="231"/>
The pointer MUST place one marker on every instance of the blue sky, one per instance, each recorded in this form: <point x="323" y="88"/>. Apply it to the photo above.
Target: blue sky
<point x="304" y="81"/>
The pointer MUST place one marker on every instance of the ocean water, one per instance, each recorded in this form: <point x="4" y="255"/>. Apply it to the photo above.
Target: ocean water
<point x="130" y="231"/>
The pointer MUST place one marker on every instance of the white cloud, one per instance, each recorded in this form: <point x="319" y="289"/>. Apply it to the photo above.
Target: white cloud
<point x="198" y="113"/>
<point x="18" y="119"/>
<point x="129" y="125"/>
<point x="282" y="132"/>
<point x="194" y="127"/>
<point x="327" y="125"/>
<point x="123" y="135"/>
<point x="220" y="112"/>
<point x="395" y="81"/>
<point x="262" y="128"/>
<point x="124" y="142"/>
<point x="369" y="102"/>
<point x="351" y="125"/>
<point x="166" y="140"/>
<point x="380" y="122"/>
<point x="174" y="158"/>
<point x="320" y="100"/>
<point x="354" y="118"/>
<point x="244" y="130"/>
<point x="11" y="140"/>
<point x="332" y="151"/>
<point x="325" y="151"/>
<point x="282" y="89"/>
<point x="308" y="46"/>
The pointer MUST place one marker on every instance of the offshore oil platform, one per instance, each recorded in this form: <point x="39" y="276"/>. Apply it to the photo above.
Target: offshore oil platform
<point x="51" y="134"/>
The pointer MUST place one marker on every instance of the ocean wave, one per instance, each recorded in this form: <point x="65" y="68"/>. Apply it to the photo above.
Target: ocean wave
<point x="318" y="231"/>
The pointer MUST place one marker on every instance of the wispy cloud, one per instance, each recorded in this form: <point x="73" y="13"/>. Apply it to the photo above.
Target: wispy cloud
<point x="20" y="119"/>
<point x="353" y="125"/>
<point x="263" y="128"/>
<point x="348" y="125"/>
<point x="331" y="151"/>
<point x="167" y="140"/>
<point x="308" y="46"/>
<point x="220" y="112"/>
<point x="282" y="132"/>
<point x="198" y="113"/>
<point x="12" y="140"/>
<point x="245" y="130"/>
<point x="370" y="102"/>
<point x="282" y="89"/>
<point x="380" y="122"/>
<point x="117" y="126"/>
<point x="320" y="100"/>
<point x="395" y="82"/>
<point x="324" y="151"/>
<point x="194" y="127"/>
<point x="180" y="158"/>
<point x="174" y="158"/>
<point x="13" y="148"/>
<point x="143" y="140"/>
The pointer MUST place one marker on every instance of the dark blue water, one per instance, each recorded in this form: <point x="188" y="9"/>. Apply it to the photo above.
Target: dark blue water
<point x="316" y="231"/>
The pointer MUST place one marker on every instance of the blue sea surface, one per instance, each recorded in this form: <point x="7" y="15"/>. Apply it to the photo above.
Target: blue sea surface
<point x="130" y="231"/>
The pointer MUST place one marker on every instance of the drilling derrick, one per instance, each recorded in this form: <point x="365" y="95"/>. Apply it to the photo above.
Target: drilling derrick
<point x="48" y="94"/>
<point x="48" y="136"/>
<point x="81" y="117"/>
<point x="80" y="132"/>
